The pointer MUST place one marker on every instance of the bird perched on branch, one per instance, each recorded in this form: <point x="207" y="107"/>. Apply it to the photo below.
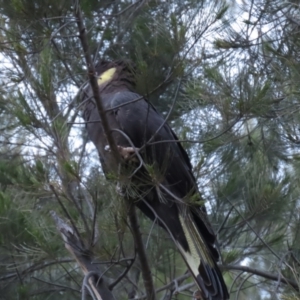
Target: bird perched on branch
<point x="154" y="171"/>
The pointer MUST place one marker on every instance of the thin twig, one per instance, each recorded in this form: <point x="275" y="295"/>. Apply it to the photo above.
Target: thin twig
<point x="253" y="230"/>
<point x="124" y="273"/>
<point x="56" y="284"/>
<point x="166" y="118"/>
<point x="176" y="141"/>
<point x="241" y="285"/>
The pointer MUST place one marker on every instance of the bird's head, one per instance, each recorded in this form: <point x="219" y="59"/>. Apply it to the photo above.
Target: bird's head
<point x="116" y="74"/>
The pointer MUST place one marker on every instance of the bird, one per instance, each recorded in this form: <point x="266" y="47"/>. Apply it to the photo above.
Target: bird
<point x="155" y="171"/>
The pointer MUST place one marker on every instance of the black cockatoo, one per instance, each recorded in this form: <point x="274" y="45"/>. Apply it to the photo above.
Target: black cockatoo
<point x="155" y="172"/>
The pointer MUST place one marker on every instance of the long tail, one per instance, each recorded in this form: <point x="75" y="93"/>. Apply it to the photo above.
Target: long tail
<point x="201" y="261"/>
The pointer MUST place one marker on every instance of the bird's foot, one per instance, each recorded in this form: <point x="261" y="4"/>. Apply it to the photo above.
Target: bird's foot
<point x="125" y="152"/>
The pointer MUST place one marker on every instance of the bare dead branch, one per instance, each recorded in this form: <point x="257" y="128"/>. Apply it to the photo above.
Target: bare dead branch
<point x="84" y="258"/>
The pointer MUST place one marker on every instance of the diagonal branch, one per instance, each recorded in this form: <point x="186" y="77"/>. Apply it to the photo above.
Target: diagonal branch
<point x="93" y="80"/>
<point x="93" y="279"/>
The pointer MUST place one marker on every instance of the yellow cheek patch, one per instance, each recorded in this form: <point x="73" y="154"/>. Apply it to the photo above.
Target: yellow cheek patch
<point x="106" y="76"/>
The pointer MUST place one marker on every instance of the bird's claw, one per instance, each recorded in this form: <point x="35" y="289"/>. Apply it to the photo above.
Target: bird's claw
<point x="125" y="152"/>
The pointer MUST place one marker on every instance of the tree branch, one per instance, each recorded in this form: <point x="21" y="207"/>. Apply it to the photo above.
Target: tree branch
<point x="140" y="249"/>
<point x="93" y="80"/>
<point x="264" y="274"/>
<point x="93" y="275"/>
